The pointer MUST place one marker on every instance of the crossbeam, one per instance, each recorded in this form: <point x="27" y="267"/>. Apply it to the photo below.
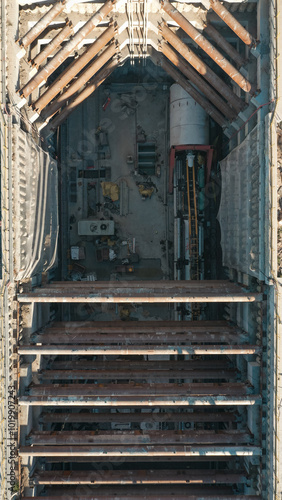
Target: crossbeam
<point x="147" y="417"/>
<point x="124" y="438"/>
<point x="142" y="291"/>
<point x="133" y="350"/>
<point x="165" y="476"/>
<point x="141" y="451"/>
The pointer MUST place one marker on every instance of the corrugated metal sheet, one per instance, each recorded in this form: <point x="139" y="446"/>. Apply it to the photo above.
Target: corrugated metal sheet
<point x="35" y="220"/>
<point x="239" y="217"/>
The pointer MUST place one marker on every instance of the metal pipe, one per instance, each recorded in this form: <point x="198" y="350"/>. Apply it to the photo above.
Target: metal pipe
<point x="65" y="51"/>
<point x="149" y="417"/>
<point x="142" y="451"/>
<point x="232" y="22"/>
<point x="196" y="79"/>
<point x="130" y="375"/>
<point x="129" y="401"/>
<point x="77" y="84"/>
<point x="53" y="44"/>
<point x="165" y="476"/>
<point x="201" y="67"/>
<point x="201" y="100"/>
<point x="216" y="36"/>
<point x="214" y="54"/>
<point x="42" y="24"/>
<point x="138" y="437"/>
<point x="86" y="92"/>
<point x="73" y="69"/>
<point x="138" y="350"/>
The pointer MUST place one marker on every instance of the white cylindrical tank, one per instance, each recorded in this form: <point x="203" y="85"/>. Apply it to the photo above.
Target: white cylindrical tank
<point x="189" y="122"/>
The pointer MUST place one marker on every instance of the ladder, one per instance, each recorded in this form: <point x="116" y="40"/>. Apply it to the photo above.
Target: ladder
<point x="193" y="230"/>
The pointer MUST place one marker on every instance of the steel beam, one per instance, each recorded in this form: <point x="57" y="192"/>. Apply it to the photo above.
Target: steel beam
<point x="118" y="327"/>
<point x="138" y="374"/>
<point x="52" y="45"/>
<point x="145" y="389"/>
<point x="138" y="437"/>
<point x="154" y="491"/>
<point x="138" y="338"/>
<point x="222" y="88"/>
<point x="216" y="36"/>
<point x="232" y="22"/>
<point x="141" y="451"/>
<point x="42" y="24"/>
<point x="197" y="80"/>
<point x="75" y="67"/>
<point x="188" y="364"/>
<point x="84" y="94"/>
<point x="162" y="292"/>
<point x="65" y="51"/>
<point x="165" y="476"/>
<point x="148" y="401"/>
<point x="149" y="417"/>
<point x="205" y="45"/>
<point x="231" y="461"/>
<point x="139" y="350"/>
<point x="149" y="496"/>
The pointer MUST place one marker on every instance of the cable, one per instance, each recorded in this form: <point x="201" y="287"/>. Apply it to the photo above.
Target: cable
<point x="261" y="106"/>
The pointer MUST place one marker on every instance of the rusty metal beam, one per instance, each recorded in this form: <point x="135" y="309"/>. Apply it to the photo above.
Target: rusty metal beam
<point x="202" y="68"/>
<point x="138" y="437"/>
<point x="141" y="327"/>
<point x="133" y="350"/>
<point x="139" y="332"/>
<point x="197" y="80"/>
<point x="149" y="417"/>
<point x="138" y="374"/>
<point x="205" y="45"/>
<point x="75" y="67"/>
<point x="216" y="36"/>
<point x="232" y="22"/>
<point x="165" y="476"/>
<point x="110" y="491"/>
<point x="232" y="461"/>
<point x="83" y="78"/>
<point x="52" y="45"/>
<point x="191" y="364"/>
<point x="183" y="493"/>
<point x="151" y="284"/>
<point x="138" y="338"/>
<point x="150" y="496"/>
<point x="141" y="451"/>
<point x="163" y="292"/>
<point x="85" y="93"/>
<point x="145" y="389"/>
<point x="65" y="51"/>
<point x="42" y="24"/>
